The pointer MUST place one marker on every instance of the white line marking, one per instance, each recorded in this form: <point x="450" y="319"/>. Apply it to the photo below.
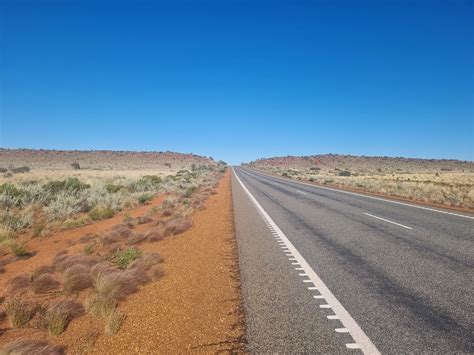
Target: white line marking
<point x="295" y="263"/>
<point x="312" y="288"/>
<point x="353" y="346"/>
<point x="299" y="268"/>
<point x="301" y="192"/>
<point x="303" y="274"/>
<point x="366" y="196"/>
<point x="324" y="306"/>
<point x="341" y="330"/>
<point x="355" y="330"/>
<point x="386" y="220"/>
<point x="319" y="297"/>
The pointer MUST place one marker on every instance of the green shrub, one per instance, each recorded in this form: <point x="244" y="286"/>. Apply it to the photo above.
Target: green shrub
<point x="70" y="184"/>
<point x="124" y="258"/>
<point x="189" y="191"/>
<point x="18" y="312"/>
<point x="111" y="188"/>
<point x="144" y="198"/>
<point x="77" y="222"/>
<point x="101" y="213"/>
<point x="311" y="179"/>
<point x="18" y="249"/>
<point x="88" y="249"/>
<point x="345" y="173"/>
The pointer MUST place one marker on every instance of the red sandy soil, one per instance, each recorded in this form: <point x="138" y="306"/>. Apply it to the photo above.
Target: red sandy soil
<point x="196" y="306"/>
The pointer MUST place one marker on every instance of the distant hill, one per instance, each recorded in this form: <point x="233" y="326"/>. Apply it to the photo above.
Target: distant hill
<point x="365" y="165"/>
<point x="98" y="159"/>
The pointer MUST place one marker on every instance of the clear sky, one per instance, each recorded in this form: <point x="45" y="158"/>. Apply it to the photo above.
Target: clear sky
<point x="239" y="80"/>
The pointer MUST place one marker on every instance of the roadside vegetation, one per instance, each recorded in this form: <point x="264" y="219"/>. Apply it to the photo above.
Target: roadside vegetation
<point x="104" y="268"/>
<point x="444" y="182"/>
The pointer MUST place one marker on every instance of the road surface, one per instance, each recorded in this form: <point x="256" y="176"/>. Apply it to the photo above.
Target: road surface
<point x="334" y="272"/>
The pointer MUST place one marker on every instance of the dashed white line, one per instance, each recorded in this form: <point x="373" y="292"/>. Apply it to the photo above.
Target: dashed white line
<point x="388" y="221"/>
<point x="301" y="192"/>
<point x="360" y="338"/>
<point x="366" y="196"/>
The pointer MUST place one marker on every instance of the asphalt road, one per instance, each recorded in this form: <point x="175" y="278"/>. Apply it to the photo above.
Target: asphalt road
<point x="404" y="275"/>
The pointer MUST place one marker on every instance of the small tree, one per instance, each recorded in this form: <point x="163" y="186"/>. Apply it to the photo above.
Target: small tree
<point x="76" y="166"/>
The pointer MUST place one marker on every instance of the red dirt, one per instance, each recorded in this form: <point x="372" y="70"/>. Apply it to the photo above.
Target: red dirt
<point x="196" y="306"/>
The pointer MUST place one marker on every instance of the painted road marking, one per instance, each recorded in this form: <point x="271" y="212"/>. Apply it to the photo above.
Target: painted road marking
<point x="341" y="313"/>
<point x="301" y="192"/>
<point x="386" y="220"/>
<point x="341" y="330"/>
<point x="366" y="196"/>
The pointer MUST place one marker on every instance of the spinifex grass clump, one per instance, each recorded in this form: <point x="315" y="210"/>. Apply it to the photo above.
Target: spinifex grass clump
<point x="31" y="346"/>
<point x="18" y="312"/>
<point x="60" y="313"/>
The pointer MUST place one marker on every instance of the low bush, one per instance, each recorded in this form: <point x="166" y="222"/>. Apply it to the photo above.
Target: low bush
<point x="77" y="222"/>
<point x="66" y="261"/>
<point x="189" y="191"/>
<point x="112" y="284"/>
<point x="136" y="238"/>
<point x="18" y="312"/>
<point x="88" y="249"/>
<point x="144" y="198"/>
<point x="345" y="173"/>
<point x="41" y="270"/>
<point x="111" y="188"/>
<point x="144" y="219"/>
<point x="77" y="278"/>
<point x="20" y="169"/>
<point x="124" y="258"/>
<point x="18" y="249"/>
<point x="44" y="283"/>
<point x="18" y="283"/>
<point x="116" y="234"/>
<point x="71" y="185"/>
<point x="30" y="346"/>
<point x="101" y="213"/>
<point x="60" y="313"/>
<point x="177" y="226"/>
<point x="154" y="235"/>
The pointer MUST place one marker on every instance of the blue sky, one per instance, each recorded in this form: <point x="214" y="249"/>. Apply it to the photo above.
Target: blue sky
<point x="239" y="80"/>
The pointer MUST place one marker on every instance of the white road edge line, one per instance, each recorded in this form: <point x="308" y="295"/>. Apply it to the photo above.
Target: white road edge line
<point x="362" y="195"/>
<point x="386" y="220"/>
<point x="341" y="313"/>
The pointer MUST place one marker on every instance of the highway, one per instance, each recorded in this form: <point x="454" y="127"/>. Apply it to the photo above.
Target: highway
<point x="326" y="271"/>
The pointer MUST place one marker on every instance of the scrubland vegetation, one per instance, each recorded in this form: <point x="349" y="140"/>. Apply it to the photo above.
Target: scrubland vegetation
<point x="111" y="265"/>
<point x="444" y="182"/>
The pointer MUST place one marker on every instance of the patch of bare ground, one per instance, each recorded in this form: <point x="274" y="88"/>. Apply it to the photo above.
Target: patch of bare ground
<point x="133" y="301"/>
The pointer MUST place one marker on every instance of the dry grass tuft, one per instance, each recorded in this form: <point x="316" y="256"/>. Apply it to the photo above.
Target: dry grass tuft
<point x="100" y="305"/>
<point x="157" y="272"/>
<point x="18" y="284"/>
<point x="112" y="283"/>
<point x="154" y="235"/>
<point x="40" y="270"/>
<point x="77" y="278"/>
<point x="116" y="234"/>
<point x="114" y="322"/>
<point x="167" y="212"/>
<point x="144" y="219"/>
<point x="44" y="283"/>
<point x="70" y="260"/>
<point x="18" y="312"/>
<point x="30" y="347"/>
<point x="136" y="238"/>
<point x="177" y="226"/>
<point x="60" y="313"/>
